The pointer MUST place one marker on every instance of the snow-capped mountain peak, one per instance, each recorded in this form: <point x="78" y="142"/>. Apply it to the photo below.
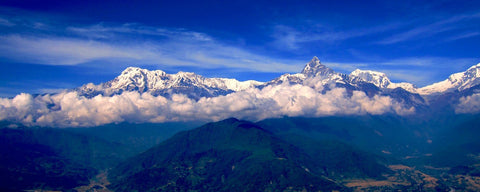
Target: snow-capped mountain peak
<point x="457" y="81"/>
<point x="158" y="82"/>
<point x="137" y="79"/>
<point x="377" y="78"/>
<point x="316" y="68"/>
<point x="314" y="71"/>
<point x="472" y="72"/>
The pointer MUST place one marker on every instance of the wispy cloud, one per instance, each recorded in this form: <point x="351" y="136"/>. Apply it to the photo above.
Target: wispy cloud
<point x="60" y="51"/>
<point x="121" y="44"/>
<point x="180" y="47"/>
<point x="51" y="42"/>
<point x="289" y="37"/>
<point x="6" y="22"/>
<point x="463" y="36"/>
<point x="428" y="62"/>
<point x="103" y="31"/>
<point x="434" y="28"/>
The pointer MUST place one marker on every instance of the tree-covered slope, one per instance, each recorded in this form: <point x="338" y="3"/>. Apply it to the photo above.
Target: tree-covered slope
<point x="233" y="155"/>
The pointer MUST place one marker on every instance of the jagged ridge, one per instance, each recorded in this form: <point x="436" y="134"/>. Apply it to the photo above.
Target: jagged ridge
<point x="160" y="83"/>
<point x="455" y="82"/>
<point x="314" y="74"/>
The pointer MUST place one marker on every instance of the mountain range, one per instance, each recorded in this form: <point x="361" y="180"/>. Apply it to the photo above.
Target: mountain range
<point x="288" y="146"/>
<point x="213" y="157"/>
<point x="158" y="82"/>
<point x="314" y="74"/>
<point x="337" y="153"/>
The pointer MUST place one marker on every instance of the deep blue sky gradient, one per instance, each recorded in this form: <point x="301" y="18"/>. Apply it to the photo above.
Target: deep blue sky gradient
<point x="50" y="45"/>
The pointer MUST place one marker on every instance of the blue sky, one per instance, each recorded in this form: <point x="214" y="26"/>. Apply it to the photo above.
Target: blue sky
<point x="50" y="45"/>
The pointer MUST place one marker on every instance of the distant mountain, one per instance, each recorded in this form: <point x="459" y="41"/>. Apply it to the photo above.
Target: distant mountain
<point x="314" y="74"/>
<point x="137" y="137"/>
<point x="90" y="151"/>
<point x="344" y="153"/>
<point x="381" y="134"/>
<point x="221" y="156"/>
<point x="460" y="145"/>
<point x="160" y="83"/>
<point x="455" y="82"/>
<point x="195" y="86"/>
<point x="379" y="79"/>
<point x="27" y="164"/>
<point x="322" y="78"/>
<point x="63" y="159"/>
<point x="314" y="71"/>
<point x="314" y="68"/>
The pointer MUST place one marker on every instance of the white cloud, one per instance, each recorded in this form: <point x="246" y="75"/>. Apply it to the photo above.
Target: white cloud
<point x="133" y="44"/>
<point x="169" y="47"/>
<point x="103" y="31"/>
<point x="68" y="109"/>
<point x="290" y="38"/>
<point x="6" y="22"/>
<point x="469" y="104"/>
<point x="60" y="51"/>
<point x="463" y="36"/>
<point x="422" y="31"/>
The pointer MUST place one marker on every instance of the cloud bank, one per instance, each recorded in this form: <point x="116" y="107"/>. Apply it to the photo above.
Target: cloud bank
<point x="469" y="104"/>
<point x="68" y="109"/>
